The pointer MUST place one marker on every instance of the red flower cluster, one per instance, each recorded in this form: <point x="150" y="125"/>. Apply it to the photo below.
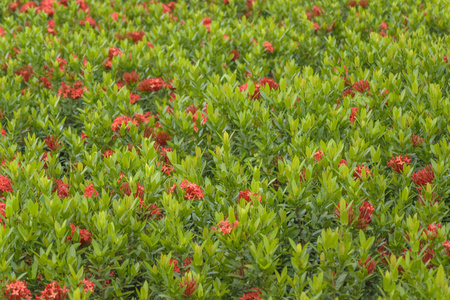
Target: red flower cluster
<point x="268" y="47"/>
<point x="337" y="212"/>
<point x="17" y="290"/>
<point x="62" y="188"/>
<point x="176" y="268"/>
<point x="446" y="245"/>
<point x="252" y="295"/>
<point x="272" y="85"/>
<point x="370" y="264"/>
<point x="236" y="54"/>
<point x="25" y="72"/>
<point x="5" y="184"/>
<point x="131" y="78"/>
<point x="358" y="172"/>
<point x="365" y="215"/>
<point x="111" y="53"/>
<point x="90" y="21"/>
<point x="247" y="195"/>
<point x="85" y="235"/>
<point x="52" y="142"/>
<point x="318" y="156"/>
<point x="416" y="140"/>
<point x="88" y="285"/>
<point x="353" y="114"/>
<point x="192" y="110"/>
<point x="2" y="211"/>
<point x="397" y="163"/>
<point x="151" y="85"/>
<point x="75" y="92"/>
<point x="192" y="190"/>
<point x="432" y="231"/>
<point x="342" y="162"/>
<point x="53" y="291"/>
<point x="188" y="285"/>
<point x="226" y="227"/>
<point x="362" y="86"/>
<point x="90" y="191"/>
<point x="424" y="176"/>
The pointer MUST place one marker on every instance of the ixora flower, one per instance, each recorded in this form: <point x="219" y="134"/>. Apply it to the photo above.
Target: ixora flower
<point x="88" y="285"/>
<point x="446" y="245"/>
<point x="192" y="190"/>
<point x="318" y="156"/>
<point x="17" y="290"/>
<point x="247" y="196"/>
<point x="175" y="263"/>
<point x="5" y="184"/>
<point x="85" y="235"/>
<point x="52" y="142"/>
<point x="362" y="86"/>
<point x="432" y="231"/>
<point x="416" y="140"/>
<point x="268" y="47"/>
<point x="359" y="170"/>
<point x="370" y="264"/>
<point x="337" y="212"/>
<point x="365" y="215"/>
<point x="424" y="176"/>
<point x="397" y="163"/>
<point x="353" y="114"/>
<point x="225" y="226"/>
<point x="151" y="85"/>
<point x="90" y="191"/>
<point x="61" y="188"/>
<point x="53" y="291"/>
<point x="188" y="285"/>
<point x="254" y="295"/>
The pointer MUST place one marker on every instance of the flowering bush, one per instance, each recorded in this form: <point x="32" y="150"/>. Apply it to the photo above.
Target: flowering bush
<point x="227" y="149"/>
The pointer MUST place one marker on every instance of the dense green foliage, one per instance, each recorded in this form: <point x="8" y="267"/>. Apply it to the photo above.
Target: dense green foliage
<point x="237" y="149"/>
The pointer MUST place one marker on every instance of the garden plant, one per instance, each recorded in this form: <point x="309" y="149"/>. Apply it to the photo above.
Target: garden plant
<point x="224" y="149"/>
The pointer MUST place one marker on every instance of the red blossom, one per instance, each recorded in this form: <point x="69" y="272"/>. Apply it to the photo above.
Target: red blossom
<point x="432" y="231"/>
<point x="151" y="85"/>
<point x="192" y="190"/>
<point x="62" y="189"/>
<point x="90" y="191"/>
<point x="53" y="291"/>
<point x="88" y="285"/>
<point x="383" y="26"/>
<point x="247" y="196"/>
<point x="17" y="290"/>
<point x="226" y="227"/>
<point x="365" y="215"/>
<point x="25" y="72"/>
<point x="236" y="55"/>
<point x="131" y="78"/>
<point x="397" y="163"/>
<point x="318" y="156"/>
<point x="188" y="285"/>
<point x="359" y="170"/>
<point x="416" y="140"/>
<point x="26" y="6"/>
<point x="337" y="212"/>
<point x="342" y="162"/>
<point x="5" y="184"/>
<point x="318" y="11"/>
<point x="85" y="235"/>
<point x="424" y="176"/>
<point x="446" y="245"/>
<point x="255" y="295"/>
<point x="353" y="114"/>
<point x="362" y="86"/>
<point x="90" y="21"/>
<point x="136" y="36"/>
<point x="370" y="264"/>
<point x="268" y="47"/>
<point x="52" y="142"/>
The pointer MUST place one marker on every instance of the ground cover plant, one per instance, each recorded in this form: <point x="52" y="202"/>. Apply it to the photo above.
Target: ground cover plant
<point x="227" y="149"/>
